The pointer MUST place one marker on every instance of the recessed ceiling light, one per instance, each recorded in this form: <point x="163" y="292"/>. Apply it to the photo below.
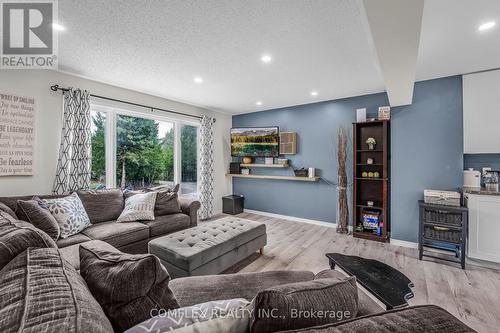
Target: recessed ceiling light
<point x="266" y="58"/>
<point x="198" y="80"/>
<point x="314" y="93"/>
<point x="487" y="26"/>
<point x="58" y="27"/>
<point x="258" y="103"/>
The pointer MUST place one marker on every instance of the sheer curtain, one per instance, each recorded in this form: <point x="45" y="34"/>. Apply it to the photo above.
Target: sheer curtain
<point x="73" y="165"/>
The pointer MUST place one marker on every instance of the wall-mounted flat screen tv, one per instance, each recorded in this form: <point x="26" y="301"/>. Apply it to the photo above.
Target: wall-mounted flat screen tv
<point x="255" y="141"/>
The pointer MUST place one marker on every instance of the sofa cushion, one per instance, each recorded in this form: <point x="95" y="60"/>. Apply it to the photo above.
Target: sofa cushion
<point x="41" y="292"/>
<point x="72" y="253"/>
<point x="72" y="240"/>
<point x="118" y="234"/>
<point x="128" y="286"/>
<point x="37" y="213"/>
<point x="415" y="319"/>
<point x="11" y="202"/>
<point x="8" y="210"/>
<point x="193" y="247"/>
<point x="16" y="236"/>
<point x="198" y="289"/>
<point x="166" y="224"/>
<point x="102" y="205"/>
<point x="304" y="304"/>
<point x="69" y="213"/>
<point x="230" y="315"/>
<point x="139" y="207"/>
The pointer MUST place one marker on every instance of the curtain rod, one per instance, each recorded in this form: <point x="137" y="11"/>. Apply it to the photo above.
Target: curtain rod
<point x="56" y="87"/>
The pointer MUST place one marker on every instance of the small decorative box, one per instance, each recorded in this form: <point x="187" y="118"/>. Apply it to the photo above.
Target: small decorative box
<point x="436" y="197"/>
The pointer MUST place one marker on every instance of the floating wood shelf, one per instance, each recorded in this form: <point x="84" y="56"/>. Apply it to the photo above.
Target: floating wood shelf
<point x="257" y="165"/>
<point x="293" y="178"/>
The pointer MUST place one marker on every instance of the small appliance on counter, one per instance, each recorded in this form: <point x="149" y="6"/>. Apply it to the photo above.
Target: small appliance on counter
<point x="472" y="179"/>
<point x="491" y="180"/>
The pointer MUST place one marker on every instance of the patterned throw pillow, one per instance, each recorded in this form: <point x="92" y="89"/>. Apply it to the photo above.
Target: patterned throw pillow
<point x="231" y="315"/>
<point x="139" y="207"/>
<point x="69" y="213"/>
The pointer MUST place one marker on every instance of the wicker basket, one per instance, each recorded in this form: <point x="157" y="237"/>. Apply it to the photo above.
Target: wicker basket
<point x="447" y="198"/>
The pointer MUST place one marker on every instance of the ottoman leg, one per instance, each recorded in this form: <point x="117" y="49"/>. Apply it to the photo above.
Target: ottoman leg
<point x="261" y="251"/>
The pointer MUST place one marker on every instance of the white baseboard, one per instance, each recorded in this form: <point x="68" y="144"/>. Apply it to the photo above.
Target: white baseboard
<point x="396" y="242"/>
<point x="403" y="243"/>
<point x="293" y="218"/>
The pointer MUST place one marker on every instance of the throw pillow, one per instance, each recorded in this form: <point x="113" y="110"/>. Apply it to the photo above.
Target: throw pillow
<point x="37" y="213"/>
<point x="167" y="200"/>
<point x="42" y="292"/>
<point x="169" y="188"/>
<point x="69" y="214"/>
<point x="129" y="287"/>
<point x="16" y="236"/>
<point x="304" y="304"/>
<point x="139" y="207"/>
<point x="5" y="208"/>
<point x="224" y="316"/>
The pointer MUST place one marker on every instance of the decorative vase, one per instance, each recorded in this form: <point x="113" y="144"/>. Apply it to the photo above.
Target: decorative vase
<point x="371" y="146"/>
<point x="247" y="160"/>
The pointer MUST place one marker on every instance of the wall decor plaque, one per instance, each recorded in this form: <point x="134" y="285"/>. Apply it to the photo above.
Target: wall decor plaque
<point x="17" y="135"/>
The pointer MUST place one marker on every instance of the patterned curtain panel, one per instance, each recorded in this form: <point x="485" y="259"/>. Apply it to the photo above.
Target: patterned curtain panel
<point x="206" y="167"/>
<point x="73" y="166"/>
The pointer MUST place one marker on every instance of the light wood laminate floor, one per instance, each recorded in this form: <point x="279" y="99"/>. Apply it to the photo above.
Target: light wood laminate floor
<point x="473" y="295"/>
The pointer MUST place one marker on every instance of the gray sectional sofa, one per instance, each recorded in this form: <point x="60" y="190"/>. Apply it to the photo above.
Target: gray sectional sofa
<point x="41" y="290"/>
<point x="105" y="206"/>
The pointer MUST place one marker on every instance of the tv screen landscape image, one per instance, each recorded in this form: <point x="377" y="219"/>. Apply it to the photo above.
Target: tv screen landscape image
<point x="255" y="141"/>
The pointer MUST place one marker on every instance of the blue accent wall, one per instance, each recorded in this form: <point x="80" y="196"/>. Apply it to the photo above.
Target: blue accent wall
<point x="427" y="152"/>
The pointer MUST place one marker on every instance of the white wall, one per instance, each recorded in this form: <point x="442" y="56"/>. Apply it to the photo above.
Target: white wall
<point x="36" y="84"/>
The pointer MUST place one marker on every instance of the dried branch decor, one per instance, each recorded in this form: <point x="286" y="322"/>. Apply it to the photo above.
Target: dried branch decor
<point x="343" y="209"/>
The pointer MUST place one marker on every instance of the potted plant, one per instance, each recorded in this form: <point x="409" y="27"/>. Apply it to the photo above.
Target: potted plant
<point x="371" y="143"/>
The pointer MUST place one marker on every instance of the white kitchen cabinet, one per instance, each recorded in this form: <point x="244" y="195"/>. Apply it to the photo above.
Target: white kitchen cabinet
<point x="484" y="227"/>
<point x="481" y="112"/>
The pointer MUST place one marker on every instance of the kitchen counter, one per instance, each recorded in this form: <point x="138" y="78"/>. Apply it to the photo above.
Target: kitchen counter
<point x="481" y="191"/>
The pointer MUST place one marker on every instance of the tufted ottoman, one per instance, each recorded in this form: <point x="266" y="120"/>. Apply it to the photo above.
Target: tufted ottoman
<point x="209" y="248"/>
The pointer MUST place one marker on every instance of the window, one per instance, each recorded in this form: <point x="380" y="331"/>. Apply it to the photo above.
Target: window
<point x="98" y="149"/>
<point x="144" y="152"/>
<point x="135" y="150"/>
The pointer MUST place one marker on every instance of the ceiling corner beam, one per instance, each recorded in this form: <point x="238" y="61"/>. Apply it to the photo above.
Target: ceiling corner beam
<point x="395" y="27"/>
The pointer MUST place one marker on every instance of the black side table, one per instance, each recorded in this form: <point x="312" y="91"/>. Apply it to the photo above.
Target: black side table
<point x="233" y="204"/>
<point x="445" y="228"/>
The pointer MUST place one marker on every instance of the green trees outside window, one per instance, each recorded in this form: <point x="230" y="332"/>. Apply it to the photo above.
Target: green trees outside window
<point x="144" y="152"/>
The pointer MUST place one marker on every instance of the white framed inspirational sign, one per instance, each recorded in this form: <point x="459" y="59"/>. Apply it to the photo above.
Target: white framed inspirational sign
<point x="17" y="135"/>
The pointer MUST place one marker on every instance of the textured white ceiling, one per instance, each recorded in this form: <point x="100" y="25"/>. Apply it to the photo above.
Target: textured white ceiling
<point x="158" y="47"/>
<point x="450" y="42"/>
